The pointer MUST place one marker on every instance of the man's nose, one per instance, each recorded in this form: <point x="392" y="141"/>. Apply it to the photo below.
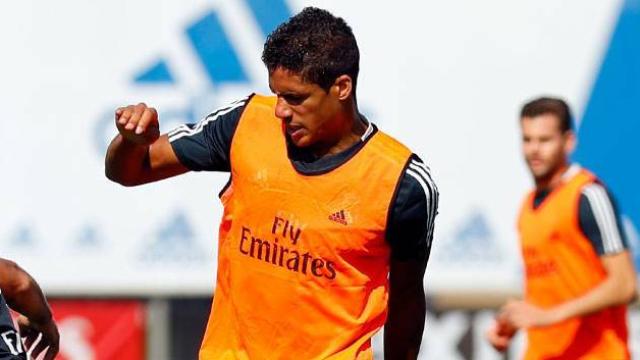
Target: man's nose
<point x="283" y="111"/>
<point x="533" y="147"/>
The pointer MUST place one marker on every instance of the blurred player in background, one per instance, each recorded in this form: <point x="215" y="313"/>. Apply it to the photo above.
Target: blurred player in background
<point x="24" y="296"/>
<point x="327" y="222"/>
<point x="579" y="273"/>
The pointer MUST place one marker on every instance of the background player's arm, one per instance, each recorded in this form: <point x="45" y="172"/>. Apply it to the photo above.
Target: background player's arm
<point x="601" y="225"/>
<point x="138" y="154"/>
<point x="619" y="287"/>
<point x="23" y="295"/>
<point x="410" y="233"/>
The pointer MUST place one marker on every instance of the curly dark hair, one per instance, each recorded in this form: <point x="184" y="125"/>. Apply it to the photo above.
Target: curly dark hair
<point x="316" y="45"/>
<point x="549" y="105"/>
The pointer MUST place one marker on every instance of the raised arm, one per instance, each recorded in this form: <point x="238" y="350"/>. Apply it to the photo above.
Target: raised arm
<point x="139" y="154"/>
<point x="23" y="295"/>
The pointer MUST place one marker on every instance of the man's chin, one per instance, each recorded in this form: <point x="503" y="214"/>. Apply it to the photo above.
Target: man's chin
<point x="542" y="176"/>
<point x="302" y="142"/>
<point x="538" y="173"/>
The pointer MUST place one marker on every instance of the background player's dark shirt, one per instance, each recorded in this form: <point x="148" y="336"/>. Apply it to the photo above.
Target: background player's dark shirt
<point x="206" y="146"/>
<point x="598" y="217"/>
<point x="10" y="344"/>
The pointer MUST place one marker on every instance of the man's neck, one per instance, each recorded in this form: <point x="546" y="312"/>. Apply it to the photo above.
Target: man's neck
<point x="551" y="182"/>
<point x="355" y="127"/>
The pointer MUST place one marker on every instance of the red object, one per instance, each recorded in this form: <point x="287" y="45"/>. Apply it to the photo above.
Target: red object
<point x="100" y="329"/>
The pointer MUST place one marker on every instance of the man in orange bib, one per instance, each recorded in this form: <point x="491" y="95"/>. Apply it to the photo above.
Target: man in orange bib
<point x="579" y="273"/>
<point x="327" y="222"/>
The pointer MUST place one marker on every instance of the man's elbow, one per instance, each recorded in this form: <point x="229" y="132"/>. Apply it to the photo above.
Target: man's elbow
<point x="625" y="288"/>
<point x="629" y="291"/>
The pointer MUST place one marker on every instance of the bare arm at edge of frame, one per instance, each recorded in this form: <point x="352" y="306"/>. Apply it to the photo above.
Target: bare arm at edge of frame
<point x="23" y="295"/>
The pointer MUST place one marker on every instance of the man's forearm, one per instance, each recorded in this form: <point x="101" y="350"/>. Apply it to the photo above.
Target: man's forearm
<point x="125" y="161"/>
<point x="405" y="325"/>
<point x="610" y="292"/>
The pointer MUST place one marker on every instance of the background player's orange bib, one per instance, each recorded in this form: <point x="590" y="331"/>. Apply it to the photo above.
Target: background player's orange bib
<point x="303" y="262"/>
<point x="561" y="265"/>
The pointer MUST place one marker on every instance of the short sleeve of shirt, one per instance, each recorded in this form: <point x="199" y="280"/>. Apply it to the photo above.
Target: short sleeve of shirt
<point x="412" y="214"/>
<point x="600" y="221"/>
<point x="206" y="145"/>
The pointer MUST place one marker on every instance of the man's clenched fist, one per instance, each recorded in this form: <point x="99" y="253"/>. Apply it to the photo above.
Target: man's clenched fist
<point x="138" y="124"/>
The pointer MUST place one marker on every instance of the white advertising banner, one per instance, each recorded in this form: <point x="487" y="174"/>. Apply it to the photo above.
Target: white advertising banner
<point x="446" y="77"/>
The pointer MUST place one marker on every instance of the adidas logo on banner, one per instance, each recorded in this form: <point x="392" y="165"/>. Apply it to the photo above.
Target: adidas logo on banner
<point x="343" y="217"/>
<point x="214" y="55"/>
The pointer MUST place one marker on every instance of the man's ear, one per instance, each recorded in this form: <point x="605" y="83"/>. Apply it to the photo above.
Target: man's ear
<point x="570" y="142"/>
<point x="343" y="87"/>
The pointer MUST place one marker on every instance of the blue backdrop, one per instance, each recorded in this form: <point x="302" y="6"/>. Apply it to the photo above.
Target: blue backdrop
<point x="611" y="124"/>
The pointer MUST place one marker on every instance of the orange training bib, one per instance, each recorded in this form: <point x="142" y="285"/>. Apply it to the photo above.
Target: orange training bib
<point x="302" y="260"/>
<point x="561" y="265"/>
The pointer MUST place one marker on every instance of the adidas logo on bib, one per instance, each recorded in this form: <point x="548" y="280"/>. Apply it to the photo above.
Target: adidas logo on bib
<point x="343" y="217"/>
